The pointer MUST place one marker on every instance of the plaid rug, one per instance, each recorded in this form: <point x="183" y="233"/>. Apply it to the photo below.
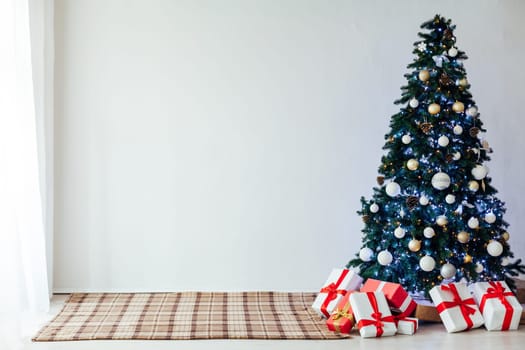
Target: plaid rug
<point x="187" y="315"/>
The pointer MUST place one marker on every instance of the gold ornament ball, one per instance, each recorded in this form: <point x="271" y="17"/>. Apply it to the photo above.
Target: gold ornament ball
<point x="414" y="245"/>
<point x="467" y="259"/>
<point x="458" y="107"/>
<point x="442" y="220"/>
<point x="473" y="186"/>
<point x="424" y="75"/>
<point x="434" y="108"/>
<point x="463" y="237"/>
<point x="505" y="236"/>
<point x="463" y="82"/>
<point x="412" y="164"/>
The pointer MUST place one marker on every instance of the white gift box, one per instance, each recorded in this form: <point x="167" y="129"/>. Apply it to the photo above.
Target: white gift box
<point x="457" y="309"/>
<point x="365" y="306"/>
<point x="338" y="283"/>
<point x="407" y="325"/>
<point x="498" y="314"/>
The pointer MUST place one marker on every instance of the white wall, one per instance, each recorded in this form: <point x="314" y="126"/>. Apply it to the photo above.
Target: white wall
<point x="222" y="145"/>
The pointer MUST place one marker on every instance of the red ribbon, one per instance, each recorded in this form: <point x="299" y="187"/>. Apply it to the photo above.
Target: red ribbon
<point x="498" y="291"/>
<point x="332" y="292"/>
<point x="376" y="320"/>
<point x="463" y="304"/>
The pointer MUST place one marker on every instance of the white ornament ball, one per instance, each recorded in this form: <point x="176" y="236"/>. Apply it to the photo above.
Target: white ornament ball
<point x="441" y="220"/>
<point x="490" y="218"/>
<point x="458" y="130"/>
<point x="452" y="52"/>
<point x="505" y="261"/>
<point x="399" y="232"/>
<point x="448" y="270"/>
<point x="472" y="111"/>
<point x="429" y="232"/>
<point x="365" y="254"/>
<point x="413" y="103"/>
<point x="473" y="222"/>
<point x="473" y="186"/>
<point x="412" y="164"/>
<point x="393" y="189"/>
<point x="479" y="268"/>
<point x="494" y="248"/>
<point x="374" y="208"/>
<point x="423" y="200"/>
<point x="450" y="198"/>
<point x="456" y="156"/>
<point x="384" y="257"/>
<point x="479" y="171"/>
<point x="406" y="139"/>
<point x="440" y="181"/>
<point x="443" y="141"/>
<point x="427" y="263"/>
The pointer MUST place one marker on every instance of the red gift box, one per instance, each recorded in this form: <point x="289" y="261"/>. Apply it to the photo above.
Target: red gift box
<point x="342" y="320"/>
<point x="395" y="294"/>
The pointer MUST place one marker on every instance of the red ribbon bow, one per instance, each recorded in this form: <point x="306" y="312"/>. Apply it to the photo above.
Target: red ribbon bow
<point x="496" y="290"/>
<point x="463" y="304"/>
<point x="377" y="319"/>
<point x="332" y="292"/>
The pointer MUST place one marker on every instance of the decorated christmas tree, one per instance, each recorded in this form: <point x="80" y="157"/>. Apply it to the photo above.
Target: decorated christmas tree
<point x="434" y="215"/>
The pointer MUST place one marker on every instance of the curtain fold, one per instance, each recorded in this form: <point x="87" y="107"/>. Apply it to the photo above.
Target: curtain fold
<point x="24" y="107"/>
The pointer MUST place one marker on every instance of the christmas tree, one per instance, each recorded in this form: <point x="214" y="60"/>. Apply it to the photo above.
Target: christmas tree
<point x="435" y="216"/>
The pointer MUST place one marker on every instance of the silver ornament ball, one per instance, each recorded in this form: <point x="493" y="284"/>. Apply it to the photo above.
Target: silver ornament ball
<point x="427" y="263"/>
<point x="429" y="232"/>
<point x="365" y="254"/>
<point x="448" y="270"/>
<point x="384" y="257"/>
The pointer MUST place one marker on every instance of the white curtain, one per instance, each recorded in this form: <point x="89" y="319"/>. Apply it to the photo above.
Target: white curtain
<point x="25" y="148"/>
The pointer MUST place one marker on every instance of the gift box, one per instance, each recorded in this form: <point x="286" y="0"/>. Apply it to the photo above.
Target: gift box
<point x="498" y="305"/>
<point x="456" y="307"/>
<point x="339" y="282"/>
<point x="407" y="325"/>
<point x="398" y="299"/>
<point x="372" y="314"/>
<point x="426" y="311"/>
<point x="342" y="320"/>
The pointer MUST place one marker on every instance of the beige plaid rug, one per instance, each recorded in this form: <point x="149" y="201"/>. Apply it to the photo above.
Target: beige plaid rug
<point x="187" y="315"/>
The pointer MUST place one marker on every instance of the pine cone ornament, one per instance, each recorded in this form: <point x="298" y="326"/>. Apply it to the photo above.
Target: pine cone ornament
<point x="447" y="34"/>
<point x="445" y="80"/>
<point x="425" y="127"/>
<point x="380" y="180"/>
<point x="474" y="131"/>
<point x="412" y="202"/>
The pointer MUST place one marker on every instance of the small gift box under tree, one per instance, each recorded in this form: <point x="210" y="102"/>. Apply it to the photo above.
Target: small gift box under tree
<point x="499" y="306"/>
<point x="372" y="314"/>
<point x="456" y="307"/>
<point x="339" y="282"/>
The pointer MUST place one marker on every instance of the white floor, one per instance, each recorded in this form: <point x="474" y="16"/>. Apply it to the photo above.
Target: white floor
<point x="429" y="336"/>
